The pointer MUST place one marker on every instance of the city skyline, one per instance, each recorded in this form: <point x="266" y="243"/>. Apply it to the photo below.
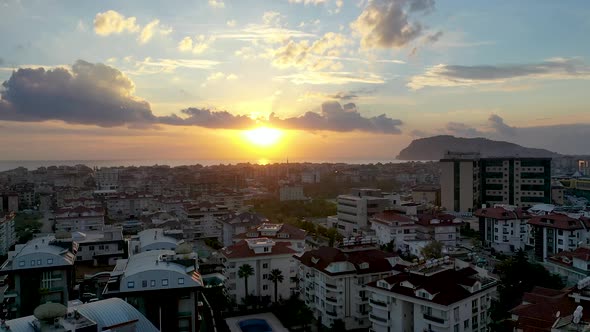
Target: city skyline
<point x="324" y="79"/>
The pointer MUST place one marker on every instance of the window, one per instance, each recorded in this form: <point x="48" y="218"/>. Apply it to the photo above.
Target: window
<point x="39" y="262"/>
<point x="49" y="260"/>
<point x="265" y="266"/>
<point x="264" y="287"/>
<point x="266" y="249"/>
<point x="101" y="247"/>
<point x="456" y="328"/>
<point x="144" y="283"/>
<point x="152" y="283"/>
<point x="32" y="262"/>
<point x="130" y="284"/>
<point x="90" y="247"/>
<point x="164" y="282"/>
<point x="21" y="263"/>
<point x="181" y="281"/>
<point x="466" y="324"/>
<point x="456" y="314"/>
<point x="265" y="276"/>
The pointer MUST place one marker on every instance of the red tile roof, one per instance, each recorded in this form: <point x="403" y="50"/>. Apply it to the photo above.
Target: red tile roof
<point x="391" y="216"/>
<point x="501" y="213"/>
<point x="242" y="250"/>
<point x="294" y="232"/>
<point x="538" y="314"/>
<point x="558" y="221"/>
<point x="443" y="220"/>
<point x="325" y="256"/>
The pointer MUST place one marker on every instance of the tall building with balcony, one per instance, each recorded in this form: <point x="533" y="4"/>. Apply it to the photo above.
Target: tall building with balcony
<point x="504" y="228"/>
<point x="39" y="271"/>
<point x="442" y="295"/>
<point x="391" y="226"/>
<point x="203" y="221"/>
<point x="557" y="232"/>
<point x="100" y="248"/>
<point x="79" y="219"/>
<point x="355" y="209"/>
<point x="263" y="255"/>
<point x="7" y="232"/>
<point x="162" y="284"/>
<point x="332" y="282"/>
<point x="237" y="223"/>
<point x="460" y="181"/>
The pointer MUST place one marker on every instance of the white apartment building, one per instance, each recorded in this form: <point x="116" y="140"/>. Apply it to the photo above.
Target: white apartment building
<point x="332" y="282"/>
<point x="584" y="167"/>
<point x="153" y="239"/>
<point x="290" y="234"/>
<point x="162" y="284"/>
<point x="439" y="227"/>
<point x="79" y="219"/>
<point x="557" y="232"/>
<point x="312" y="176"/>
<point x="390" y="226"/>
<point x="107" y="178"/>
<point x="263" y="255"/>
<point x="100" y="247"/>
<point x="442" y="295"/>
<point x="126" y="206"/>
<point x="504" y="228"/>
<point x="7" y="233"/>
<point x="291" y="192"/>
<point x="203" y="221"/>
<point x="355" y="210"/>
<point x="237" y="223"/>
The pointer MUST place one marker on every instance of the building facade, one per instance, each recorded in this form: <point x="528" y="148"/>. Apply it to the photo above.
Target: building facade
<point x="460" y="182"/>
<point x="237" y="223"/>
<point x="557" y="232"/>
<point x="445" y="295"/>
<point x="79" y="219"/>
<point x="355" y="210"/>
<point x="7" y="232"/>
<point x="504" y="228"/>
<point x="290" y="234"/>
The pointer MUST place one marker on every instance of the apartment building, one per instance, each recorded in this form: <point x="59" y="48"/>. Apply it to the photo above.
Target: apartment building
<point x="504" y="228"/>
<point x="442" y="295"/>
<point x="107" y="178"/>
<point x="203" y="221"/>
<point x="460" y="181"/>
<point x="290" y="234"/>
<point x="468" y="181"/>
<point x="444" y="228"/>
<point x="557" y="232"/>
<point x="392" y="226"/>
<point x="9" y="202"/>
<point x="7" y="232"/>
<point x="523" y="182"/>
<point x="154" y="239"/>
<point x="129" y="206"/>
<point x="584" y="167"/>
<point x="572" y="266"/>
<point x="237" y="223"/>
<point x="114" y="315"/>
<point x="162" y="284"/>
<point x="332" y="282"/>
<point x="263" y="255"/>
<point x="79" y="219"/>
<point x="291" y="192"/>
<point x="426" y="194"/>
<point x="355" y="209"/>
<point x="39" y="271"/>
<point x="100" y="248"/>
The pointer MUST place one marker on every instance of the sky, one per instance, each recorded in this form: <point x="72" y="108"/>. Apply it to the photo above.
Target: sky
<point x="339" y="79"/>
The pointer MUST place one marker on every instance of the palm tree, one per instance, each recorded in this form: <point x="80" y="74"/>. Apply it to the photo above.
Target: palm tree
<point x="245" y="271"/>
<point x="276" y="276"/>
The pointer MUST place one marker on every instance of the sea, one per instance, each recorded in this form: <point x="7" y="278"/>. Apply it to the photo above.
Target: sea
<point x="34" y="164"/>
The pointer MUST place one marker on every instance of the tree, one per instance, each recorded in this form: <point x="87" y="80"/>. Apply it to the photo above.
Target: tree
<point x="276" y="276"/>
<point x="432" y="250"/>
<point x="304" y="316"/>
<point x="246" y="271"/>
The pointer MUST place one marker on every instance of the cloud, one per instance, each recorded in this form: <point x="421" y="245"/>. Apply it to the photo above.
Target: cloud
<point x="336" y="78"/>
<point x="201" y="44"/>
<point x="340" y="95"/>
<point x="88" y="94"/>
<point x="433" y="38"/>
<point x="232" y="23"/>
<point x="111" y="22"/>
<point x="342" y="118"/>
<point x="311" y="56"/>
<point x="216" y="4"/>
<point x="155" y="66"/>
<point x="498" y="125"/>
<point x="152" y="28"/>
<point x="457" y="75"/>
<point x="209" y="119"/>
<point x="462" y="130"/>
<point x="308" y="2"/>
<point x="386" y="23"/>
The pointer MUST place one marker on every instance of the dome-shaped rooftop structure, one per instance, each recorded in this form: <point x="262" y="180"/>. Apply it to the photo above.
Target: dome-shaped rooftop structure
<point x="50" y="311"/>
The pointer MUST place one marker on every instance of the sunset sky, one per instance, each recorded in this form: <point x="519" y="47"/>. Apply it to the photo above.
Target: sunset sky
<point x="336" y="79"/>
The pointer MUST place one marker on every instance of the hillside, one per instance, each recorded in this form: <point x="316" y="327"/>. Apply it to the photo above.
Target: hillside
<point x="434" y="148"/>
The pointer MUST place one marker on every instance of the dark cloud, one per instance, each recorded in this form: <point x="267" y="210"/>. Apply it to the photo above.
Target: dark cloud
<point x="462" y="130"/>
<point x="96" y="94"/>
<point x="386" y="23"/>
<point x="433" y="38"/>
<point x="336" y="117"/>
<point x="88" y="94"/>
<point x="498" y="125"/>
<point x="351" y="95"/>
<point x="209" y="119"/>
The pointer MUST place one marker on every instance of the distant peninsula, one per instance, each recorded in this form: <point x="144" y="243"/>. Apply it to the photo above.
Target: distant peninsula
<point x="434" y="148"/>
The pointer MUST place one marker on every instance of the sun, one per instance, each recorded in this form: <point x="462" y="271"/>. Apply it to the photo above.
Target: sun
<point x="263" y="136"/>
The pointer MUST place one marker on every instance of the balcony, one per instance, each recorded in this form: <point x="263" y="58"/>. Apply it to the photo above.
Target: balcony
<point x="434" y="319"/>
<point x="331" y="286"/>
<point x="378" y="303"/>
<point x="378" y="319"/>
<point x="331" y="299"/>
<point x="332" y="313"/>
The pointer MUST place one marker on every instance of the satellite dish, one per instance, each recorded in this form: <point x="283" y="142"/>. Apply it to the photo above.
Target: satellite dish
<point x="557" y="314"/>
<point x="578" y="315"/>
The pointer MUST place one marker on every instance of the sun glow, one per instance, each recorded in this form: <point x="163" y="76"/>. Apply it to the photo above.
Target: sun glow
<point x="263" y="136"/>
